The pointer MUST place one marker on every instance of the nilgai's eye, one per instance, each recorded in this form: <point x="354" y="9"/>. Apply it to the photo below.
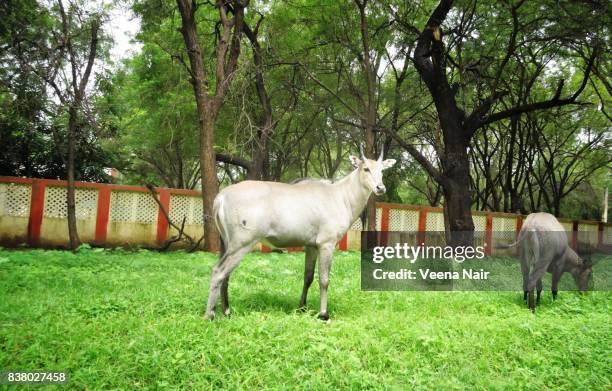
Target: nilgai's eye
<point x="366" y="169"/>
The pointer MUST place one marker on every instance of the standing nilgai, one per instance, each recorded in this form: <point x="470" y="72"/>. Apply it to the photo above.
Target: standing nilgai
<point x="310" y="213"/>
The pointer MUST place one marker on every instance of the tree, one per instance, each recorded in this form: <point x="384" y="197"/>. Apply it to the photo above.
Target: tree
<point x="80" y="53"/>
<point x="568" y="155"/>
<point x="61" y="52"/>
<point x="31" y="120"/>
<point x="208" y="104"/>
<point x="433" y="59"/>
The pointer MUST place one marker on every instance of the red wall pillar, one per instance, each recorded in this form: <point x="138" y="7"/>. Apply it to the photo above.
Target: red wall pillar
<point x="489" y="235"/>
<point x="422" y="226"/>
<point x="37" y="207"/>
<point x="162" y="222"/>
<point x="343" y="243"/>
<point x="102" y="214"/>
<point x="519" y="224"/>
<point x="384" y="224"/>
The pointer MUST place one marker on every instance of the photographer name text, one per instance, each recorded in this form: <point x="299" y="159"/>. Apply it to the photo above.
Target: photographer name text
<point x="427" y="274"/>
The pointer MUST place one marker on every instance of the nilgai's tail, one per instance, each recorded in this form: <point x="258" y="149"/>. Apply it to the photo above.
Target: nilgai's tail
<point x="519" y="239"/>
<point x="219" y="214"/>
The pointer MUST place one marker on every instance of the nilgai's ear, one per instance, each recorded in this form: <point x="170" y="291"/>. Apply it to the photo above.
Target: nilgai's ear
<point x="388" y="163"/>
<point x="355" y="161"/>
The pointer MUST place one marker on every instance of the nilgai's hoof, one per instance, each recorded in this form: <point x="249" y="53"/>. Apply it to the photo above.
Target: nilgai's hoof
<point x="324" y="316"/>
<point x="209" y="316"/>
<point x="227" y="312"/>
<point x="301" y="308"/>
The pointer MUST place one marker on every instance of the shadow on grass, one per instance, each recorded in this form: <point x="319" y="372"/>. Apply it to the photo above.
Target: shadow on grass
<point x="265" y="302"/>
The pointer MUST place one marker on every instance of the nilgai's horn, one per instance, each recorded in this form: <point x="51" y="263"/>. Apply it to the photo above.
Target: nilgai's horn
<point x="361" y="152"/>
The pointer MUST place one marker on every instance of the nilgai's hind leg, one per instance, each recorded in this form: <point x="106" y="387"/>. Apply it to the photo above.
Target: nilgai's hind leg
<point x="220" y="272"/>
<point x="309" y="269"/>
<point x="224" y="296"/>
<point x="326" y="252"/>
<point x="525" y="272"/>
<point x="536" y="275"/>
<point x="539" y="289"/>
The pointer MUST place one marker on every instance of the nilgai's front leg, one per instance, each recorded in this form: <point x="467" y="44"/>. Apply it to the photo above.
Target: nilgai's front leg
<point x="531" y="302"/>
<point x="309" y="269"/>
<point x="326" y="252"/>
<point x="556" y="276"/>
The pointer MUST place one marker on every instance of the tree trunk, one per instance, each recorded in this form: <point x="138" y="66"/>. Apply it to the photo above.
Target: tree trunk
<point x="71" y="199"/>
<point x="260" y="166"/>
<point x="208" y="171"/>
<point x="557" y="206"/>
<point x="370" y="154"/>
<point x="455" y="165"/>
<point x="458" y="200"/>
<point x="227" y="52"/>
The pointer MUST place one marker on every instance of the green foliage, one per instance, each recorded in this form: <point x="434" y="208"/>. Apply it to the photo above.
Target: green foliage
<point x="312" y="51"/>
<point x="32" y="120"/>
<point x="150" y="106"/>
<point x="133" y="320"/>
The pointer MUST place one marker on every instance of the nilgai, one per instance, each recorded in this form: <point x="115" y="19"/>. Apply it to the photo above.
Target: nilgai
<point x="310" y="213"/>
<point x="543" y="246"/>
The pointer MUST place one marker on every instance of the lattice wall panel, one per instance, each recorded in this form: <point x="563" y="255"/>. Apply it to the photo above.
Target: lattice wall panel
<point x="189" y="206"/>
<point x="56" y="204"/>
<point x="434" y="222"/>
<point x="568" y="227"/>
<point x="587" y="227"/>
<point x="480" y="223"/>
<point x="607" y="235"/>
<point x="134" y="207"/>
<point x="504" y="229"/>
<point x="198" y="210"/>
<point x="480" y="226"/>
<point x="356" y="225"/>
<point x="588" y="233"/>
<point x="378" y="219"/>
<point x="403" y="220"/>
<point x="15" y="199"/>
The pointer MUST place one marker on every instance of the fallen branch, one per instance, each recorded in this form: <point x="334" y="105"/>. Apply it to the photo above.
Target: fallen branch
<point x="181" y="230"/>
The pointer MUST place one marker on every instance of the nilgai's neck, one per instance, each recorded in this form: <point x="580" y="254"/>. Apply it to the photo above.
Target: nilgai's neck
<point x="355" y="193"/>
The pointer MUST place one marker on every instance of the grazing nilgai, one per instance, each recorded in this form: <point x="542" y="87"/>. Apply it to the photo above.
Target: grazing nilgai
<point x="310" y="213"/>
<point x="543" y="246"/>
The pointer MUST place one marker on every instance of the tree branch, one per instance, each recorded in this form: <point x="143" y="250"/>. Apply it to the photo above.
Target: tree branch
<point x="236" y="161"/>
<point x="555" y="101"/>
<point x="423" y="51"/>
<point x="418" y="156"/>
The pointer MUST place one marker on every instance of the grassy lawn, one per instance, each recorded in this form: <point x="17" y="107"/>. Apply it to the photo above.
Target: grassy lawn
<point x="133" y="320"/>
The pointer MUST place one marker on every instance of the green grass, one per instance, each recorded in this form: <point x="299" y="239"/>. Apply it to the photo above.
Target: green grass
<point x="122" y="320"/>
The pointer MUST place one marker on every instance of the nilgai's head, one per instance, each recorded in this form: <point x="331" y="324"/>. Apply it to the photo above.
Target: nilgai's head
<point x="370" y="171"/>
<point x="582" y="271"/>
